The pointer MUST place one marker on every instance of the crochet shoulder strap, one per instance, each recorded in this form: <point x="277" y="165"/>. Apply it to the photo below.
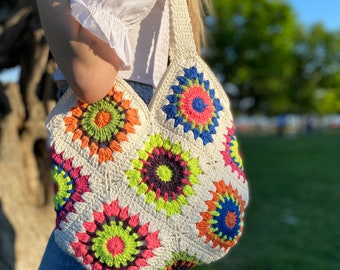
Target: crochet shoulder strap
<point x="181" y="34"/>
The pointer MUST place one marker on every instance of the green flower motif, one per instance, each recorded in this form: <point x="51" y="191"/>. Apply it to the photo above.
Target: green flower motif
<point x="64" y="187"/>
<point x="114" y="239"/>
<point x="165" y="174"/>
<point x="103" y="120"/>
<point x="116" y="245"/>
<point x="69" y="185"/>
<point x="181" y="261"/>
<point x="102" y="126"/>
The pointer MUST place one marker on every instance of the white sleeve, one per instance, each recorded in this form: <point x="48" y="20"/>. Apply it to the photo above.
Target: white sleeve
<point x="111" y="20"/>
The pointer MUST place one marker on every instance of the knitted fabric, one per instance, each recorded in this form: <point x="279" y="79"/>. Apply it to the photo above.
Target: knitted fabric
<point x="150" y="187"/>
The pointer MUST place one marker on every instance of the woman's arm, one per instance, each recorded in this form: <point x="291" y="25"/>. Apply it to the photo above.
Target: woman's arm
<point x="89" y="64"/>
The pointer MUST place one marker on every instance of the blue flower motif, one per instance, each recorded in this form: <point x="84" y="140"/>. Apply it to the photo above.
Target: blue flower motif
<point x="193" y="105"/>
<point x="227" y="210"/>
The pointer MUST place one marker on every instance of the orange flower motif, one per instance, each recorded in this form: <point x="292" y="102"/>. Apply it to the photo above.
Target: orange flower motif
<point x="222" y="223"/>
<point x="102" y="126"/>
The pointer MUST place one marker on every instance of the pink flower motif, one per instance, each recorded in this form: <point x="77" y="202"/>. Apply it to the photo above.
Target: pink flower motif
<point x="69" y="185"/>
<point x="231" y="155"/>
<point x="115" y="240"/>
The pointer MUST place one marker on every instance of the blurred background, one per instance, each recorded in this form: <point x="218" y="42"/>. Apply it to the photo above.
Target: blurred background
<point x="279" y="62"/>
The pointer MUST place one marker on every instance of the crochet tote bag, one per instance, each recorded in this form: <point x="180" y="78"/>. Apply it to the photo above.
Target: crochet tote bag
<point x="150" y="187"/>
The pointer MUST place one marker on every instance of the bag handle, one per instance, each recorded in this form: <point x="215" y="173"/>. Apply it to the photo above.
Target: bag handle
<point x="182" y="41"/>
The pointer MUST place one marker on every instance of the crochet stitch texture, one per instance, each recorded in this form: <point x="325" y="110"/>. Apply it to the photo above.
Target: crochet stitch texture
<point x="156" y="187"/>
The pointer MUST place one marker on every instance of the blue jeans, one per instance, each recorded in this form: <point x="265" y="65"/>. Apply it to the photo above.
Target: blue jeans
<point x="145" y="91"/>
<point x="54" y="258"/>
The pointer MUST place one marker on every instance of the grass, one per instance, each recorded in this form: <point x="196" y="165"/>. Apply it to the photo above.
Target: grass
<point x="292" y="220"/>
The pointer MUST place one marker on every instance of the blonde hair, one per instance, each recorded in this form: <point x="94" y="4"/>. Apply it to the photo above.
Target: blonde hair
<point x="198" y="9"/>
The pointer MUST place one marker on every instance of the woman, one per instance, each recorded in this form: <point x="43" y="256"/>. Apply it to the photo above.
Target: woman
<point x="93" y="41"/>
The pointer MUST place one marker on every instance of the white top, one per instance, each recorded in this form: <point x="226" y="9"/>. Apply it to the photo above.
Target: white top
<point x="138" y="31"/>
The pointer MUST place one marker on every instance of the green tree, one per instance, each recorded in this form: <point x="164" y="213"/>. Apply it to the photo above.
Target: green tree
<point x="270" y="63"/>
<point x="316" y="80"/>
<point x="254" y="49"/>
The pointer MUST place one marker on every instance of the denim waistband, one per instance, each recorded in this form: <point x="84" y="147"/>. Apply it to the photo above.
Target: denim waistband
<point x="145" y="91"/>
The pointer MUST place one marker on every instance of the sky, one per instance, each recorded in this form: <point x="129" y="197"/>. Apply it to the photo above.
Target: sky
<point x="308" y="12"/>
<point x="314" y="11"/>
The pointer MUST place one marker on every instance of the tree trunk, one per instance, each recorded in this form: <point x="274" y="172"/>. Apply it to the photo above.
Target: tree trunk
<point x="26" y="210"/>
